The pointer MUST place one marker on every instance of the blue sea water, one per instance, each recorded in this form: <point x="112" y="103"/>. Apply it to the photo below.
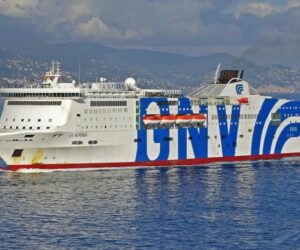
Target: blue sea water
<point x="253" y="205"/>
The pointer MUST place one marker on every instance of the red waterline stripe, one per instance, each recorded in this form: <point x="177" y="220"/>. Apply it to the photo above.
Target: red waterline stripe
<point x="188" y="162"/>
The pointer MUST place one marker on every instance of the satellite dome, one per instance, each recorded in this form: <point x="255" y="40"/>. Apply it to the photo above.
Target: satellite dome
<point x="130" y="83"/>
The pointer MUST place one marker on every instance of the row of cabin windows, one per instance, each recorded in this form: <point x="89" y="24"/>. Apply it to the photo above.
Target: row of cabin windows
<point x="41" y="94"/>
<point x="295" y="107"/>
<point x="105" y="111"/>
<point x="108" y="103"/>
<point x="35" y="103"/>
<point x="274" y="116"/>
<point x="228" y="117"/>
<point x="211" y="101"/>
<point x="234" y="144"/>
<point x="119" y="126"/>
<point x="108" y="119"/>
<point x="167" y="103"/>
<point x="164" y="109"/>
<point x="290" y="115"/>
<point x="28" y="120"/>
<point x="19" y="127"/>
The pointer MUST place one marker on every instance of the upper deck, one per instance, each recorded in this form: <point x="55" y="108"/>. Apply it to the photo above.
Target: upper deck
<point x="228" y="84"/>
<point x="53" y="89"/>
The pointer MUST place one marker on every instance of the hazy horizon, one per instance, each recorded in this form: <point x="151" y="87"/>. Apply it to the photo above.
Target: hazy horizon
<point x="265" y="32"/>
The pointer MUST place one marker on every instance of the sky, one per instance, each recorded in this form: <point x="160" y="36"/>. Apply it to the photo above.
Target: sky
<point x="265" y="32"/>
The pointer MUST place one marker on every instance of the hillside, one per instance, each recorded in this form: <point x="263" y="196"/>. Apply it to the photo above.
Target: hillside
<point x="26" y="61"/>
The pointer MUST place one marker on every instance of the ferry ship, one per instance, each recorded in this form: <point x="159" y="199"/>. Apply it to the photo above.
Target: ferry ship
<point x="68" y="126"/>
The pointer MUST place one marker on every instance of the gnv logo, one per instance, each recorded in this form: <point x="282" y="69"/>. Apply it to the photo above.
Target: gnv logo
<point x="239" y="89"/>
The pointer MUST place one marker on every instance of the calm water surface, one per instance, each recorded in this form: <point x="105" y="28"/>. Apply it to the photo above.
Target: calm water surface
<point x="230" y="206"/>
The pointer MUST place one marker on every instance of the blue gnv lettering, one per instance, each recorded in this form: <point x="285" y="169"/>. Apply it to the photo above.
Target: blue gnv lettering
<point x="228" y="137"/>
<point x="197" y="136"/>
<point x="158" y="134"/>
<point x="198" y="139"/>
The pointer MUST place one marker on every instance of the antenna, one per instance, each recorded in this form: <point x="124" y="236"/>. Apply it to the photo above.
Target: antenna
<point x="79" y="71"/>
<point x="217" y="73"/>
<point x="242" y="74"/>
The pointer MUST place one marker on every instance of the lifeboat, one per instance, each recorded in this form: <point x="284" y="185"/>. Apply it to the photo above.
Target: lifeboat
<point x="151" y="119"/>
<point x="183" y="119"/>
<point x="167" y="119"/>
<point x="198" y="119"/>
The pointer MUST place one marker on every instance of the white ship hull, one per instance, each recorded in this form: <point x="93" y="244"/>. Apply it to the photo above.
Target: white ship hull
<point x="84" y="132"/>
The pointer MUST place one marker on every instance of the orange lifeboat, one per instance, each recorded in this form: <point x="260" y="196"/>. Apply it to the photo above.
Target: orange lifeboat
<point x="183" y="119"/>
<point x="168" y="119"/>
<point x="198" y="118"/>
<point x="243" y="100"/>
<point x="151" y="119"/>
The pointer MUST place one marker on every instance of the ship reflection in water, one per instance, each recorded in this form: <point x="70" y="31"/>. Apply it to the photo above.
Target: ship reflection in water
<point x="230" y="206"/>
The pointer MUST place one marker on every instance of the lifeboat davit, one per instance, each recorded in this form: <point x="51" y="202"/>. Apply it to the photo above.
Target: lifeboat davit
<point x="151" y="119"/>
<point x="183" y="119"/>
<point x="198" y="118"/>
<point x="167" y="119"/>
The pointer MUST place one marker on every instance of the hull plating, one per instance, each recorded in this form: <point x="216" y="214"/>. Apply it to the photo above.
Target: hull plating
<point x="121" y="165"/>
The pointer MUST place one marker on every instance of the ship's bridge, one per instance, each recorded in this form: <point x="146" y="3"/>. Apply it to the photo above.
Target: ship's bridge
<point x="49" y="88"/>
